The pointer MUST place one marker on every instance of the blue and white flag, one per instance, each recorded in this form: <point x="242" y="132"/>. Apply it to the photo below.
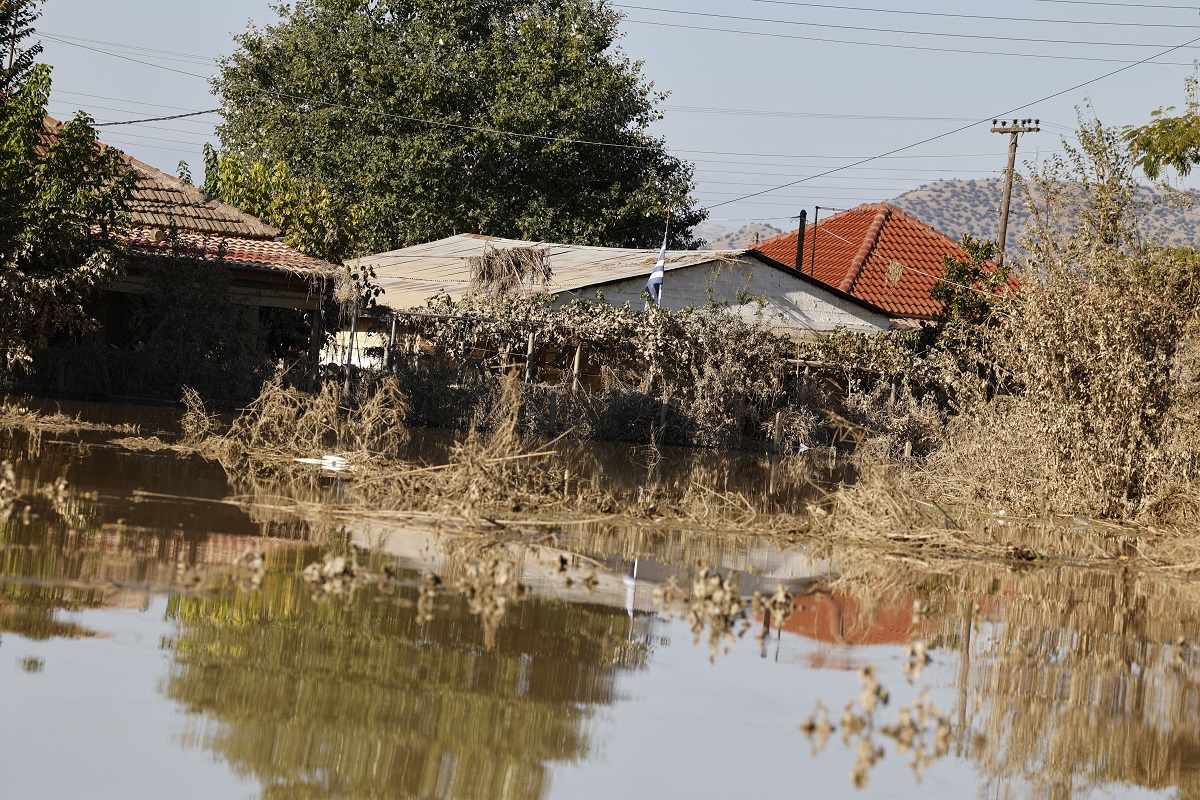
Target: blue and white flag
<point x="654" y="285"/>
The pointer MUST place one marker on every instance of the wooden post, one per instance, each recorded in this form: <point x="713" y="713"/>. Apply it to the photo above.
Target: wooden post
<point x="387" y="354"/>
<point x="575" y="367"/>
<point x="350" y="348"/>
<point x="964" y="674"/>
<point x="1013" y="129"/>
<point x="800" y="241"/>
<point x="529" y="360"/>
<point x="812" y="258"/>
<point x="315" y="338"/>
<point x="778" y="432"/>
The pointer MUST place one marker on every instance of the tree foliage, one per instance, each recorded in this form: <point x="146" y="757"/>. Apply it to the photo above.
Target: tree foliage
<point x="312" y="219"/>
<point x="16" y="25"/>
<point x="970" y="287"/>
<point x="436" y="117"/>
<point x="63" y="198"/>
<point x="1169" y="140"/>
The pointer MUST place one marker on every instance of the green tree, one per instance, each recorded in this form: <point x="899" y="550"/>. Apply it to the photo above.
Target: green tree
<point x="16" y="24"/>
<point x="437" y="117"/>
<point x="64" y="198"/>
<point x="970" y="288"/>
<point x="1169" y="139"/>
<point x="312" y="219"/>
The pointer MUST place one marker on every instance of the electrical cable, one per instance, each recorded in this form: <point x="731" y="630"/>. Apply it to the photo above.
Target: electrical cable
<point x="956" y="130"/>
<point x="1122" y="5"/>
<point x="946" y="14"/>
<point x="866" y="29"/>
<point x="893" y="46"/>
<point x="541" y="137"/>
<point x="155" y="119"/>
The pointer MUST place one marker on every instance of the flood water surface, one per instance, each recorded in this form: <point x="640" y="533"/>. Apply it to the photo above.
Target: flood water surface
<point x="162" y="638"/>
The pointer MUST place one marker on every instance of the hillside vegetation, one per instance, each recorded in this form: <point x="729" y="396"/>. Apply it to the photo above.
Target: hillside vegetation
<point x="723" y="237"/>
<point x="972" y="206"/>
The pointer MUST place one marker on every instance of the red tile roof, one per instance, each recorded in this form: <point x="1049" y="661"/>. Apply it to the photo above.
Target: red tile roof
<point x="836" y="617"/>
<point x="162" y="203"/>
<point x="855" y="251"/>
<point x="236" y="251"/>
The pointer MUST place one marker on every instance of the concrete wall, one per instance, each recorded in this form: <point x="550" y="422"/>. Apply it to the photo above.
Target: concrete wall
<point x="800" y="306"/>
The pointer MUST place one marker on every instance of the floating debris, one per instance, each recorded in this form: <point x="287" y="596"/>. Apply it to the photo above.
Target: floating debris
<point x="252" y="567"/>
<point x="427" y="596"/>
<point x="336" y="575"/>
<point x="919" y="729"/>
<point x="918" y="658"/>
<point x="489" y="584"/>
<point x="818" y="728"/>
<point x="873" y="692"/>
<point x="8" y="490"/>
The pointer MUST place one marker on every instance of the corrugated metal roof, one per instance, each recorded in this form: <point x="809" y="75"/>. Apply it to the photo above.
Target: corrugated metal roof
<point x="411" y="275"/>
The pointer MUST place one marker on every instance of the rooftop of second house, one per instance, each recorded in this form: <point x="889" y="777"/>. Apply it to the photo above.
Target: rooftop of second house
<point x="411" y="275"/>
<point x="876" y="253"/>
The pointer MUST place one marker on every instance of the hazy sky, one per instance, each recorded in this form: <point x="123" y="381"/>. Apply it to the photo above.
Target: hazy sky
<point x="762" y="92"/>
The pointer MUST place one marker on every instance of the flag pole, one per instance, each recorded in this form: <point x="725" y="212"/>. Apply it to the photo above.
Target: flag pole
<point x="654" y="284"/>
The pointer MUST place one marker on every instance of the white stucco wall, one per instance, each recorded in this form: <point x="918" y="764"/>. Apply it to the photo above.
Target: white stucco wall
<point x="802" y="307"/>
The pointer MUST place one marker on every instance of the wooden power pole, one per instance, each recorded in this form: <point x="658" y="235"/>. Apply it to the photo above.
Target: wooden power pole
<point x="1013" y="128"/>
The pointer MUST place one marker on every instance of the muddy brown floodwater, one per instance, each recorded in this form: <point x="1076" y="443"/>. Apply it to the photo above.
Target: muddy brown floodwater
<point x="160" y="638"/>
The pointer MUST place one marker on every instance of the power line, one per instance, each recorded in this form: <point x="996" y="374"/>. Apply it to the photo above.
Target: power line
<point x="961" y="128"/>
<point x="541" y="137"/>
<point x="1122" y="5"/>
<point x="940" y="35"/>
<point x="665" y="107"/>
<point x="149" y="50"/>
<point x="976" y="16"/>
<point x="123" y="57"/>
<point x="126" y="100"/>
<point x="894" y="46"/>
<point x="155" y="119"/>
<point x="808" y="114"/>
<point x="845" y="177"/>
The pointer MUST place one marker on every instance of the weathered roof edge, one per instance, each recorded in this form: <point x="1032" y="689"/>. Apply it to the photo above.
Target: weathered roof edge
<point x="829" y="287"/>
<point x="194" y="194"/>
<point x="270" y="231"/>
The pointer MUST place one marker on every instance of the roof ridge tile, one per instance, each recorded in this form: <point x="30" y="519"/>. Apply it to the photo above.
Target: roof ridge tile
<point x="864" y="252"/>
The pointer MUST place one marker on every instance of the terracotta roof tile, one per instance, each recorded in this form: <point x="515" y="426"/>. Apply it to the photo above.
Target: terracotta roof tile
<point x="164" y="201"/>
<point x="253" y="253"/>
<point x="855" y="250"/>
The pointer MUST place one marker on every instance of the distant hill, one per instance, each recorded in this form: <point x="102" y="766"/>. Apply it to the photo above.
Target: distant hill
<point x="973" y="206"/>
<point x="723" y="237"/>
<point x="711" y="231"/>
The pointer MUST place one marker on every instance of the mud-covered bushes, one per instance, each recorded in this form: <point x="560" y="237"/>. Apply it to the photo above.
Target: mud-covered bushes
<point x="1097" y="412"/>
<point x="284" y="423"/>
<point x="698" y="376"/>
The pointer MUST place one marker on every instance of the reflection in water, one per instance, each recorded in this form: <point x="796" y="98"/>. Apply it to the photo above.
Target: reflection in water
<point x="1090" y="680"/>
<point x="1070" y="680"/>
<point x="363" y="700"/>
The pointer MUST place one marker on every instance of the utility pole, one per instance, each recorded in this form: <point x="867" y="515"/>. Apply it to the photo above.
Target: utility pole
<point x="812" y="259"/>
<point x="1013" y="128"/>
<point x="800" y="241"/>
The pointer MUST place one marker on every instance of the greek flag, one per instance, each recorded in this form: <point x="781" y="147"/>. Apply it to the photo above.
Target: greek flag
<point x="654" y="285"/>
